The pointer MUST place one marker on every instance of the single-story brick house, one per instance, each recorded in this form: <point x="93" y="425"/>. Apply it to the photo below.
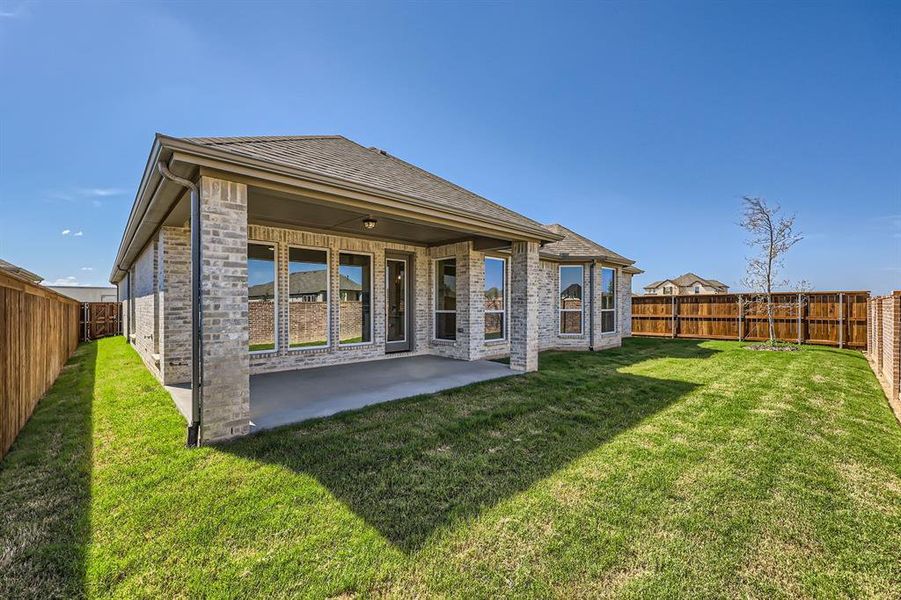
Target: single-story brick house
<point x="287" y="253"/>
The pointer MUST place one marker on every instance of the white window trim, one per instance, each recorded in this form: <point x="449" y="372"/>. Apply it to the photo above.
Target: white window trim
<point x="406" y="291"/>
<point x="615" y="301"/>
<point x="371" y="298"/>
<point x="503" y="338"/>
<point x="328" y="299"/>
<point x="561" y="310"/>
<point x="275" y="293"/>
<point x="435" y="310"/>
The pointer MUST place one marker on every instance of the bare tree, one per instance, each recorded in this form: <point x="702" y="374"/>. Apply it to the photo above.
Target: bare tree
<point x="773" y="236"/>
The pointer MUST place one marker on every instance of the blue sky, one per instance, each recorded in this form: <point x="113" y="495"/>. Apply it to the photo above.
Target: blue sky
<point x="638" y="125"/>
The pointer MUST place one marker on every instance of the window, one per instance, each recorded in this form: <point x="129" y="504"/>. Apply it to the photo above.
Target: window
<point x="495" y="298"/>
<point x="608" y="300"/>
<point x="446" y="299"/>
<point x="261" y="296"/>
<point x="697" y="289"/>
<point x="308" y="292"/>
<point x="355" y="308"/>
<point x="668" y="290"/>
<point x="571" y="279"/>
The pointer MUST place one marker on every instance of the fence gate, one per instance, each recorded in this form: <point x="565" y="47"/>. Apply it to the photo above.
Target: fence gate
<point x="100" y="319"/>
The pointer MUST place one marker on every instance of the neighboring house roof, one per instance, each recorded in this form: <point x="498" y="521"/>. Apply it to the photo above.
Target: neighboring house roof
<point x="19" y="272"/>
<point x="574" y="246"/>
<point x="573" y="290"/>
<point x="341" y="158"/>
<point x="304" y="282"/>
<point x="687" y="280"/>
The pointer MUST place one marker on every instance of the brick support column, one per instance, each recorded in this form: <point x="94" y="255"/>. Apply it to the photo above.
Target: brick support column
<point x="524" y="286"/>
<point x="225" y="404"/>
<point x="471" y="288"/>
<point x="175" y="304"/>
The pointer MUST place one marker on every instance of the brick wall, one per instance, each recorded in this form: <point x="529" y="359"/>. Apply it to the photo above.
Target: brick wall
<point x="884" y="345"/>
<point x="525" y="275"/>
<point x="145" y="308"/>
<point x="549" y="315"/>
<point x="225" y="405"/>
<point x="174" y="278"/>
<point x="307" y="321"/>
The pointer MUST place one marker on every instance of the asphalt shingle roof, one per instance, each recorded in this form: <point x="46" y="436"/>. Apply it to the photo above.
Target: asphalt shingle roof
<point x="576" y="245"/>
<point x="338" y="157"/>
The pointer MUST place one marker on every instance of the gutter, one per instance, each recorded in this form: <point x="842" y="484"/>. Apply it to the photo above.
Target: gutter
<point x="196" y="339"/>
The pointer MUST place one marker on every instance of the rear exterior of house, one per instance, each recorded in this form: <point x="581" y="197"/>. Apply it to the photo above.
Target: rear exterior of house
<point x="315" y="251"/>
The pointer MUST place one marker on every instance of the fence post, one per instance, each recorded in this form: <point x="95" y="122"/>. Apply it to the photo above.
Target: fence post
<point x="673" y="316"/>
<point x="741" y="317"/>
<point x="841" y="320"/>
<point x="799" y="318"/>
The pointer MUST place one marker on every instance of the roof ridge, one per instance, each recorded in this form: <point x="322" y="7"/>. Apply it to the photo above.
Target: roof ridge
<point x="257" y="139"/>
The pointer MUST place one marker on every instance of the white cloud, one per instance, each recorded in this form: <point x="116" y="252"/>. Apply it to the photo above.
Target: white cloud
<point x="70" y="280"/>
<point x="15" y="13"/>
<point x="78" y="233"/>
<point x="93" y="194"/>
<point x="87" y="268"/>
<point x="100" y="192"/>
<point x="66" y="231"/>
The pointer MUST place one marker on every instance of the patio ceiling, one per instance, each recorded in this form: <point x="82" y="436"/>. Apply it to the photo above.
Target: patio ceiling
<point x="281" y="209"/>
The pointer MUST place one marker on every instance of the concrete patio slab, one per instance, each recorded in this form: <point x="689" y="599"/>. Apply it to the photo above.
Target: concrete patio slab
<point x="291" y="396"/>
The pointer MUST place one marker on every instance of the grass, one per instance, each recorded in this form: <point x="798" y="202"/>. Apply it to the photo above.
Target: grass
<point x="662" y="469"/>
<point x="314" y="343"/>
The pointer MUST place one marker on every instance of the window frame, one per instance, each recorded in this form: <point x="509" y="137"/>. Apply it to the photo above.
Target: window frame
<point x="561" y="310"/>
<point x="328" y="298"/>
<point x="276" y="297"/>
<point x="504" y="323"/>
<point x="615" y="303"/>
<point x="435" y="310"/>
<point x="371" y="257"/>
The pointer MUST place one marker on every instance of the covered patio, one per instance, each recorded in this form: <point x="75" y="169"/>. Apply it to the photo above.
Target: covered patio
<point x="286" y="397"/>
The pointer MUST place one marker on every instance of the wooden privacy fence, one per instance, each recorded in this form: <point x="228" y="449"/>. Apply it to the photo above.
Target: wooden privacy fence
<point x="884" y="345"/>
<point x="828" y="318"/>
<point x="38" y="333"/>
<point x="100" y="319"/>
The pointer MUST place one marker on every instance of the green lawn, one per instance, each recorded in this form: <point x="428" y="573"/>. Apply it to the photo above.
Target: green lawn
<point x="665" y="468"/>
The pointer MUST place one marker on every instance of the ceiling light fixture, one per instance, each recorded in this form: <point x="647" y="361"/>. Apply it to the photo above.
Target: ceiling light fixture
<point x="369" y="223"/>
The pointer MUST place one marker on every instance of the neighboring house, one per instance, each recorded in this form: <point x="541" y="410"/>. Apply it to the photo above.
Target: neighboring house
<point x="19" y="272"/>
<point x="689" y="283"/>
<point x="351" y="255"/>
<point x="86" y="293"/>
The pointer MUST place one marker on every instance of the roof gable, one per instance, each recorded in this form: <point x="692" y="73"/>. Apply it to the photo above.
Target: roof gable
<point x="576" y="245"/>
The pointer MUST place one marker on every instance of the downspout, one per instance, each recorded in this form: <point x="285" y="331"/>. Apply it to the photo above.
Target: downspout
<point x="196" y="339"/>
<point x="591" y="295"/>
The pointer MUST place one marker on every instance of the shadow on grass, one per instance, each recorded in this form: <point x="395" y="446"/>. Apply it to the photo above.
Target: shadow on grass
<point x="413" y="466"/>
<point x="45" y="490"/>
